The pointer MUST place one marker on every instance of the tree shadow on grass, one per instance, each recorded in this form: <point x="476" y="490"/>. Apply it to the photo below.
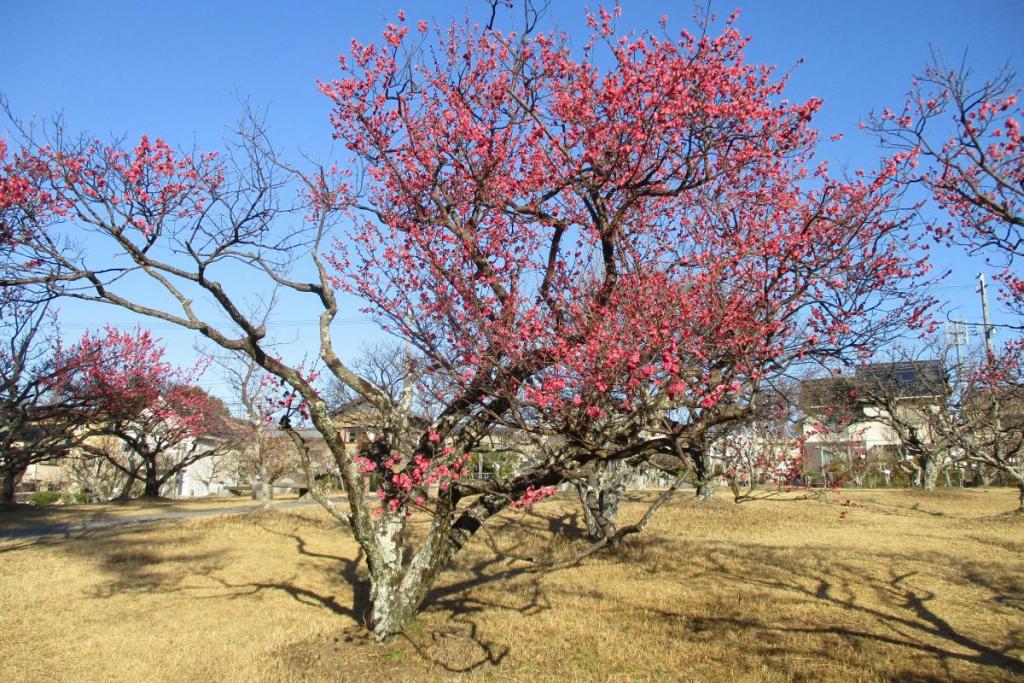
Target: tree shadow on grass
<point x="877" y="602"/>
<point x="136" y="561"/>
<point x="457" y="647"/>
<point x="461" y="645"/>
<point x="924" y="604"/>
<point x="351" y="573"/>
<point x="568" y="525"/>
<point x="884" y="599"/>
<point x="55" y="539"/>
<point x="463" y="601"/>
<point x="1001" y="543"/>
<point x="141" y="560"/>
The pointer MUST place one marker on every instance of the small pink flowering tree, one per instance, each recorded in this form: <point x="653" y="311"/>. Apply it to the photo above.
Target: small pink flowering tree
<point x="616" y="255"/>
<point x="148" y="404"/>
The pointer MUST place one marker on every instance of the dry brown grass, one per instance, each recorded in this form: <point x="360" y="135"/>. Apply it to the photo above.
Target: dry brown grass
<point x="906" y="586"/>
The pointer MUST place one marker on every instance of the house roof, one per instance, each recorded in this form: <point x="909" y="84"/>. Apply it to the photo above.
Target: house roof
<point x="827" y="392"/>
<point x="307" y="433"/>
<point x="909" y="379"/>
<point x="361" y="413"/>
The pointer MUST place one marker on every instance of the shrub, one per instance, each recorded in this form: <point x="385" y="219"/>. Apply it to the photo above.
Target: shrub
<point x="44" y="498"/>
<point x="74" y="498"/>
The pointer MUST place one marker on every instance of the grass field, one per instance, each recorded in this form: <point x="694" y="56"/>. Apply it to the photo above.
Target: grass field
<point x="897" y="585"/>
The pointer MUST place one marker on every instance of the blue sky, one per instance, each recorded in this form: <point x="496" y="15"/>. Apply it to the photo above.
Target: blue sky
<point x="173" y="69"/>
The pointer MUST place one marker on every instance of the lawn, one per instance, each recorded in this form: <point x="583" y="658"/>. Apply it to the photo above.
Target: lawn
<point x="895" y="585"/>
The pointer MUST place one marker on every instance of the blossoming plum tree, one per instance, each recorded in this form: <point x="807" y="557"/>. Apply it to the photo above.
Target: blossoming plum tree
<point x="613" y="244"/>
<point x="154" y="408"/>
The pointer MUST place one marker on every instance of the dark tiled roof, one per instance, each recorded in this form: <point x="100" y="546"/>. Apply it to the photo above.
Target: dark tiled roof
<point x="910" y="379"/>
<point x="827" y="392"/>
<point x="904" y="380"/>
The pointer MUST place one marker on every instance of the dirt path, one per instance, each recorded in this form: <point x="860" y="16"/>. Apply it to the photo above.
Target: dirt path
<point x="67" y="529"/>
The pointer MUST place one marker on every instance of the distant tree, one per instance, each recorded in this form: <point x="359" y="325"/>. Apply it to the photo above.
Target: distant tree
<point x="262" y="454"/>
<point x="95" y="476"/>
<point x="765" y="448"/>
<point x="897" y="402"/>
<point x="985" y="426"/>
<point x="581" y="246"/>
<point x="143" y="400"/>
<point x="960" y="138"/>
<point x="939" y="414"/>
<point x="36" y="423"/>
<point x="912" y="398"/>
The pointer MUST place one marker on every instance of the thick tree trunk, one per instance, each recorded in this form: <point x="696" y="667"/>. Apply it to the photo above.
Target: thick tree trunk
<point x="609" y="500"/>
<point x="266" y="490"/>
<point x="399" y="584"/>
<point x="390" y="607"/>
<point x="600" y="497"/>
<point x="705" y="476"/>
<point x="152" y="484"/>
<point x="600" y="508"/>
<point x="929" y="473"/>
<point x="705" y="489"/>
<point x="8" y="483"/>
<point x="391" y="613"/>
<point x="1020" y="497"/>
<point x="400" y="577"/>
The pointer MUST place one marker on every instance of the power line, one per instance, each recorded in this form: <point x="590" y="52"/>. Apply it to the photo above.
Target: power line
<point x="278" y="324"/>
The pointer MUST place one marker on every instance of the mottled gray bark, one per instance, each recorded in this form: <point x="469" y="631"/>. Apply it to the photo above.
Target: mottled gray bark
<point x="266" y="487"/>
<point x="702" y="467"/>
<point x="600" y="496"/>
<point x="390" y="611"/>
<point x="590" y="522"/>
<point x="609" y="499"/>
<point x="705" y="490"/>
<point x="929" y="473"/>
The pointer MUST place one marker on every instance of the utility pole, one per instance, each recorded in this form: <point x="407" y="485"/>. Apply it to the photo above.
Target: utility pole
<point x="957" y="337"/>
<point x="983" y="290"/>
<point x="990" y="349"/>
